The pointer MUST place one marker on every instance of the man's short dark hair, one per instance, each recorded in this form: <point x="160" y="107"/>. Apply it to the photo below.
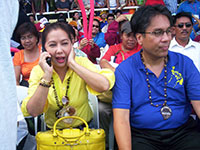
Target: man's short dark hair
<point x="110" y="15"/>
<point x="143" y="16"/>
<point x="182" y="14"/>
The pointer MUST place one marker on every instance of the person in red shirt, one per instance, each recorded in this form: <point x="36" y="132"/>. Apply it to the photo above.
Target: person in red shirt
<point x="120" y="52"/>
<point x="123" y="50"/>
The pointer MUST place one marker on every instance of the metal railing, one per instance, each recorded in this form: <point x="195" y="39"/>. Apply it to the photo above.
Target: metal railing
<point x="87" y="11"/>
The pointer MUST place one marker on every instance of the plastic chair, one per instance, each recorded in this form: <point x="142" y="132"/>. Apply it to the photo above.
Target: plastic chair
<point x="94" y="106"/>
<point x="22" y="92"/>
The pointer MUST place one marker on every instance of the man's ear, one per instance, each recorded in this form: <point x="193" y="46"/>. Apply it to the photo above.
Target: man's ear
<point x="139" y="38"/>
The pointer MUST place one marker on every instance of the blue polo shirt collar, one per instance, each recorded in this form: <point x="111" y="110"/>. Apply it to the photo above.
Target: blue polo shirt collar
<point x="169" y="63"/>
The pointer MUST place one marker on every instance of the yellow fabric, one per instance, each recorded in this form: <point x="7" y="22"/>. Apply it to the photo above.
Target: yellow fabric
<point x="77" y="93"/>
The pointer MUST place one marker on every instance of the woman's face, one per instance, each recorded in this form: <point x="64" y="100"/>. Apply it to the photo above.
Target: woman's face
<point x="59" y="46"/>
<point x="95" y="28"/>
<point x="28" y="41"/>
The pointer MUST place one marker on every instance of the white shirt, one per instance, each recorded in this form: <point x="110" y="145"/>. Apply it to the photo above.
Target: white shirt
<point x="192" y="50"/>
<point x="8" y="95"/>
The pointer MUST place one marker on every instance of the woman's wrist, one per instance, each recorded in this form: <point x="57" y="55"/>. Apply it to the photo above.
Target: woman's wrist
<point x="45" y="83"/>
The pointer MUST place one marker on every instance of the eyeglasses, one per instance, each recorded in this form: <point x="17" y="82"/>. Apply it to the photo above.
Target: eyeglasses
<point x="159" y="33"/>
<point x="182" y="24"/>
<point x="95" y="26"/>
<point x="29" y="37"/>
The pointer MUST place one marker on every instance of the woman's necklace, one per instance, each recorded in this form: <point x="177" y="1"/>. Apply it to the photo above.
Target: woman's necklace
<point x="64" y="109"/>
<point x="165" y="110"/>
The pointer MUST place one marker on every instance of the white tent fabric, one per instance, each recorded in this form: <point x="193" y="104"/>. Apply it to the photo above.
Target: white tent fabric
<point x="8" y="97"/>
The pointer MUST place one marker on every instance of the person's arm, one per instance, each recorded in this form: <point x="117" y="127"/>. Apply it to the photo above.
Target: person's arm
<point x="105" y="64"/>
<point x="95" y="50"/>
<point x="122" y="128"/>
<point x="36" y="103"/>
<point x="108" y="4"/>
<point x="17" y="73"/>
<point x="196" y="107"/>
<point x="101" y="83"/>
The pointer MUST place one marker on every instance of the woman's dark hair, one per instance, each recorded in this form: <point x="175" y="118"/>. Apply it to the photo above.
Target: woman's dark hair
<point x="73" y="14"/>
<point x="110" y="15"/>
<point x="72" y="31"/>
<point x="27" y="27"/>
<point x="54" y="26"/>
<point x="98" y="23"/>
<point x="143" y="16"/>
<point x="61" y="17"/>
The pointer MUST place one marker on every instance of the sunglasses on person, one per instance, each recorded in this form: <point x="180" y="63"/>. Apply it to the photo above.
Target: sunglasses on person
<point x="182" y="24"/>
<point x="95" y="26"/>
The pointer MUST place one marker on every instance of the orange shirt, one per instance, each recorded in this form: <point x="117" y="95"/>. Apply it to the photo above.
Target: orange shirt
<point x="26" y="67"/>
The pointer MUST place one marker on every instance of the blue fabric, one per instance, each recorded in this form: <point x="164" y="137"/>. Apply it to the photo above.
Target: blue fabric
<point x="194" y="8"/>
<point x="171" y="5"/>
<point x="99" y="40"/>
<point x="131" y="91"/>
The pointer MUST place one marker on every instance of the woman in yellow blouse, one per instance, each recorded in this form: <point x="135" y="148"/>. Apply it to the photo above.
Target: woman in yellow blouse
<point x="62" y="88"/>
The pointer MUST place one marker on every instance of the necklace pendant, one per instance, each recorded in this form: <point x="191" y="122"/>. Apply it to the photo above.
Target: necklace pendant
<point x="65" y="101"/>
<point x="166" y="112"/>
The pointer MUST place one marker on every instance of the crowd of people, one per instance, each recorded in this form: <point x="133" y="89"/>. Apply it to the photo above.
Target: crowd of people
<point x="143" y="70"/>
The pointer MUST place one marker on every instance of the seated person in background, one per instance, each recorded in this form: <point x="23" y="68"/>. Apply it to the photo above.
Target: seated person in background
<point x="191" y="6"/>
<point x="38" y="6"/>
<point x="122" y="51"/>
<point x="76" y="18"/>
<point x="61" y="88"/>
<point x="182" y="43"/>
<point x="74" y="35"/>
<point x="100" y="3"/>
<point x="63" y="5"/>
<point x="110" y="19"/>
<point x="97" y="35"/>
<point x="103" y="20"/>
<point x="112" y="35"/>
<point x="112" y="4"/>
<point x="27" y="58"/>
<point x="95" y="43"/>
<point x="156" y="116"/>
<point x="93" y="52"/>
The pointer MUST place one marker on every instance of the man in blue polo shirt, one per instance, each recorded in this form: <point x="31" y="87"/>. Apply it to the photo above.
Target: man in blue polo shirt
<point x="154" y="90"/>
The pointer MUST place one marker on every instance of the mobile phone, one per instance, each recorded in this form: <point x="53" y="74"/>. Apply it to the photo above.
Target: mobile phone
<point x="48" y="59"/>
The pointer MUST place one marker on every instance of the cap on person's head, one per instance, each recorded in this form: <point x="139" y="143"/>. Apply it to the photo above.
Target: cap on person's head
<point x="126" y="27"/>
<point x="73" y="23"/>
<point x="103" y="12"/>
<point x="40" y="27"/>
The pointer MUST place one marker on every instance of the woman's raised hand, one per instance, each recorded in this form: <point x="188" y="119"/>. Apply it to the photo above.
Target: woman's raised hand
<point x="48" y="70"/>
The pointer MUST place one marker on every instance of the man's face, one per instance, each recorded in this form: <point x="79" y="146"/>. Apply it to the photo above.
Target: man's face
<point x="156" y="39"/>
<point x="128" y="41"/>
<point x="110" y="19"/>
<point x="95" y="28"/>
<point x="183" y="28"/>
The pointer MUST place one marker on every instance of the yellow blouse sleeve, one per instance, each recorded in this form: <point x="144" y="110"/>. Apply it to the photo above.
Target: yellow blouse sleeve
<point x="109" y="74"/>
<point x="35" y="77"/>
